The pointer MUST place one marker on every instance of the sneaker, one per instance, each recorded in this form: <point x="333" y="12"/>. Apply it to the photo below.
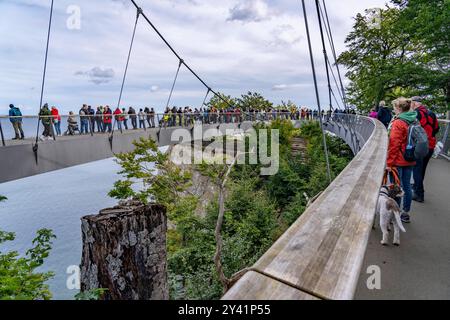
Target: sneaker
<point x="417" y="198"/>
<point x="406" y="217"/>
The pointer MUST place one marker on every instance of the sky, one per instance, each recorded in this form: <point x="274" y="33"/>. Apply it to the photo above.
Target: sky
<point x="236" y="46"/>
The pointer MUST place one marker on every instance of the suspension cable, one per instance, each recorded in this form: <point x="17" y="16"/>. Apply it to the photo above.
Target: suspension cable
<point x="35" y="147"/>
<point x="316" y="87"/>
<point x="335" y="80"/>
<point x="325" y="55"/>
<point x="331" y="44"/>
<point x="138" y="13"/>
<point x="179" y="57"/>
<point x="336" y="100"/>
<point x="334" y="54"/>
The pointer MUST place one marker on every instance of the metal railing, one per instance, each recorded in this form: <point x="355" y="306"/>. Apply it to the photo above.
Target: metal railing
<point x="76" y="124"/>
<point x="321" y="255"/>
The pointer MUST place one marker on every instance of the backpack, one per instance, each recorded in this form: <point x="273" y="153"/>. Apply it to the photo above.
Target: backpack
<point x="432" y="120"/>
<point x="417" y="144"/>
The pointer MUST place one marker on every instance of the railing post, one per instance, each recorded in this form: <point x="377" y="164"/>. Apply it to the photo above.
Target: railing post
<point x="446" y="140"/>
<point x="1" y="133"/>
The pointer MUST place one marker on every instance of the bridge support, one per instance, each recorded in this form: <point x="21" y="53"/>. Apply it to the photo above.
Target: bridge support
<point x="124" y="251"/>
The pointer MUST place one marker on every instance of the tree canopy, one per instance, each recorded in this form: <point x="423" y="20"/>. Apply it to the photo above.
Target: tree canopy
<point x="405" y="52"/>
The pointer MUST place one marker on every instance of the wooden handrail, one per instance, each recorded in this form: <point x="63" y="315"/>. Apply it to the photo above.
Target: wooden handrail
<point x="320" y="256"/>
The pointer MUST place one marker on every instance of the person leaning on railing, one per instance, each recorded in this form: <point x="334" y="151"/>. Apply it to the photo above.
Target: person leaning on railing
<point x="16" y="121"/>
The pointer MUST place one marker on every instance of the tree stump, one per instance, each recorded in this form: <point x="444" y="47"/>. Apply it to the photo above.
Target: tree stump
<point x="124" y="251"/>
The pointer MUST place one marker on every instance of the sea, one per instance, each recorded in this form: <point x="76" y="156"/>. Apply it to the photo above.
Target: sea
<point x="57" y="200"/>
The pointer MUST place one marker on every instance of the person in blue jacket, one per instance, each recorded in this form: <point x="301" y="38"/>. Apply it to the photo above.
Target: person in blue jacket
<point x="16" y="121"/>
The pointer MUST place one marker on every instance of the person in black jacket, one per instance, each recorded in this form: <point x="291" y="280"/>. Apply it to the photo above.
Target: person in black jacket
<point x="384" y="114"/>
<point x="133" y="117"/>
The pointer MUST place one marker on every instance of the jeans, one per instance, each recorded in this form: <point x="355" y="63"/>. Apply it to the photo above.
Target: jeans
<point x="99" y="125"/>
<point x="141" y="124"/>
<point x="134" y="123"/>
<point x="125" y="123"/>
<point x="405" y="174"/>
<point x="419" y="174"/>
<point x="119" y="125"/>
<point x="84" y="126"/>
<point x="107" y="127"/>
<point x="58" y="127"/>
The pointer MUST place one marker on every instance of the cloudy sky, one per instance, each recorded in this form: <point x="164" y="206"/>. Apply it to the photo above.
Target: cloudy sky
<point x="234" y="45"/>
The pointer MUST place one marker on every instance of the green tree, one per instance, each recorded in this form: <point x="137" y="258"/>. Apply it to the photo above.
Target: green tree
<point x="253" y="101"/>
<point x="377" y="57"/>
<point x="223" y="103"/>
<point x="406" y="52"/>
<point x="427" y="24"/>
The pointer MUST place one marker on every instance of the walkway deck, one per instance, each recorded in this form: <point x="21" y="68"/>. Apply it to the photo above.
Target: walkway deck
<point x="420" y="267"/>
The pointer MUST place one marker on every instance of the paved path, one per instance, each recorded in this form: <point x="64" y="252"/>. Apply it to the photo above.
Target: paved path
<point x="420" y="267"/>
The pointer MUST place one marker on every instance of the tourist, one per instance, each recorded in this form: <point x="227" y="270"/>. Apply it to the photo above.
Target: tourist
<point x="45" y="116"/>
<point x="429" y="122"/>
<point x="398" y="139"/>
<point x="119" y="118"/>
<point x="384" y="114"/>
<point x="99" y="119"/>
<point x="125" y="118"/>
<point x="373" y="113"/>
<point x="142" y="117"/>
<point x="16" y="121"/>
<point x="56" y="120"/>
<point x="91" y="114"/>
<point x="84" y="121"/>
<point x="133" y="117"/>
<point x="107" y="119"/>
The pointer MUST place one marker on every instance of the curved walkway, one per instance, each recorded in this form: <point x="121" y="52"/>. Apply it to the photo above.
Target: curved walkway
<point x="420" y="267"/>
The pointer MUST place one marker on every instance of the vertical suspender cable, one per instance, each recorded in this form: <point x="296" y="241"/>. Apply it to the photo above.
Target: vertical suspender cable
<point x="317" y="91"/>
<point x="324" y="54"/>
<point x="138" y="13"/>
<point x="35" y="147"/>
<point x="173" y="84"/>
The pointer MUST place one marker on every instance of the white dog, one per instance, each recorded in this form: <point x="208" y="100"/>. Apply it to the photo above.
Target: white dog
<point x="389" y="211"/>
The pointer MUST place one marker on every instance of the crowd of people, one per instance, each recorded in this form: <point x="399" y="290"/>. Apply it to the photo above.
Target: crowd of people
<point x="105" y="120"/>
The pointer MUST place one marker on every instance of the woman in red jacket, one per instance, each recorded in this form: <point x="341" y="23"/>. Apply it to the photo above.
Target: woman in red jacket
<point x="398" y="139"/>
<point x="56" y="120"/>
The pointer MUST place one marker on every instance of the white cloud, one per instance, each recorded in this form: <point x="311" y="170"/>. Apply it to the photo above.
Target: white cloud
<point x="250" y="11"/>
<point x="98" y="75"/>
